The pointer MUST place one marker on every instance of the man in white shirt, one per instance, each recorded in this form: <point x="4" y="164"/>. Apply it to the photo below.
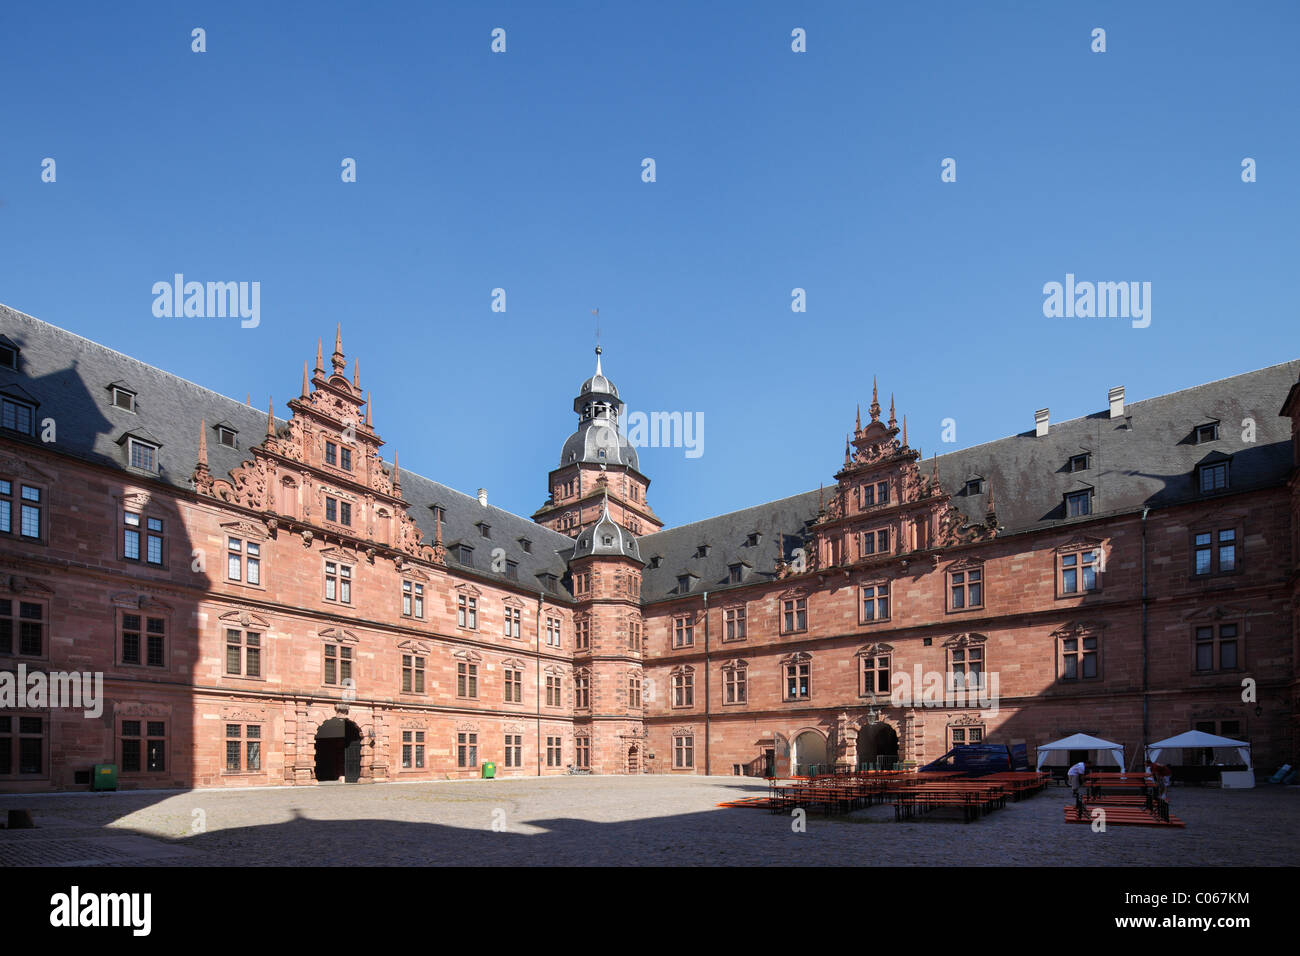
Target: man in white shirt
<point x="1076" y="773"/>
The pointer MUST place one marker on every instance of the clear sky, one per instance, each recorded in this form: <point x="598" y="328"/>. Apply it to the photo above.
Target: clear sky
<point x="775" y="170"/>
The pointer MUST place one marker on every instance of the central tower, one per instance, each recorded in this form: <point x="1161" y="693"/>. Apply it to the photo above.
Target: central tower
<point x="598" y="463"/>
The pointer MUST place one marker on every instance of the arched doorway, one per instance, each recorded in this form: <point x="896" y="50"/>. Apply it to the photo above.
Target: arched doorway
<point x="809" y="754"/>
<point x="338" y="750"/>
<point x="878" y="747"/>
<point x="633" y="759"/>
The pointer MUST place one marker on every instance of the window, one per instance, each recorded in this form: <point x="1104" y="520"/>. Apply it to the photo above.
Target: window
<point x="225" y="436"/>
<point x="1078" y="463"/>
<point x="875" y="603"/>
<point x="683" y="751"/>
<point x="144" y="746"/>
<point x="634" y="635"/>
<point x="962" y="736"/>
<point x="145" y="646"/>
<point x="553" y="691"/>
<point x="123" y="398"/>
<point x="345" y="459"/>
<point x="142" y="455"/>
<point x="966" y="589"/>
<point x="1218" y="648"/>
<point x="798" y="679"/>
<point x="1078" y="503"/>
<point x="338" y="582"/>
<point x="16" y="416"/>
<point x="30" y="628"/>
<point x="752" y="540"/>
<point x="1079" y="571"/>
<point x="702" y="551"/>
<point x="243" y="653"/>
<point x="735" y="573"/>
<point x="153" y="538"/>
<point x="868" y="495"/>
<point x="683" y="583"/>
<point x="875" y="674"/>
<point x="514" y="626"/>
<point x="634" y="691"/>
<point x="413" y="599"/>
<point x="1207" y="433"/>
<point x="338" y="511"/>
<point x="553" y="752"/>
<point x="683" y="682"/>
<point x="974" y="486"/>
<point x="794" y="615"/>
<point x="514" y="750"/>
<point x="1214" y="477"/>
<point x="553" y="632"/>
<point x="526" y="545"/>
<point x="412" y="749"/>
<point x="1215" y="552"/>
<point x="466" y="750"/>
<point x="338" y="665"/>
<point x="1079" y="657"/>
<point x="30" y="508"/>
<point x="966" y="668"/>
<point x="243" y="743"/>
<point x="467" y="611"/>
<point x="466" y="680"/>
<point x="514" y="685"/>
<point x="412" y="674"/>
<point x="582" y="752"/>
<point x="22" y="745"/>
<point x="582" y="582"/>
<point x="882" y="492"/>
<point x="512" y="570"/>
<point x="484" y="529"/>
<point x="331" y="454"/>
<point x="684" y="631"/>
<point x="582" y="633"/>
<point x="8" y="359"/>
<point x="243" y="560"/>
<point x="734" y="689"/>
<point x="733" y="624"/>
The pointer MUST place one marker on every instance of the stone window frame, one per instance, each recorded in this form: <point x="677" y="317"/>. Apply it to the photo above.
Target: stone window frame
<point x="681" y="682"/>
<point x="419" y="655"/>
<point x="965" y="568"/>
<point x="554" y="630"/>
<point x="683" y="630"/>
<point x="873" y="537"/>
<point x="582" y="751"/>
<point x="467" y="608"/>
<point x="554" y="687"/>
<point x="792" y="605"/>
<point x="1216" y="619"/>
<point x="414" y="753"/>
<point x="582" y="689"/>
<point x="16" y="734"/>
<point x="1215" y="525"/>
<point x="635" y="680"/>
<point x="971" y="732"/>
<point x="514" y="750"/>
<point x="875" y="585"/>
<point x="244" y="748"/>
<point x="412" y="598"/>
<point x="683" y="749"/>
<point x="513" y="673"/>
<point x="467" y="755"/>
<point x="966" y="645"/>
<point x="582" y="631"/>
<point x="145" y="511"/>
<point x="243" y="647"/>
<point x="341" y="577"/>
<point x="17" y="502"/>
<point x="20" y="591"/>
<point x="799" y="668"/>
<point x="1077" y="549"/>
<point x="147" y="723"/>
<point x="146" y="610"/>
<point x="512" y="610"/>
<point x="735" y="621"/>
<point x="1079" y="633"/>
<point x="467" y="666"/>
<point x="872" y="654"/>
<point x="735" y="682"/>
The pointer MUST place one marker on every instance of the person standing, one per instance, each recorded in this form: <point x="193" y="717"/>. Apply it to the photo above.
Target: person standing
<point x="1076" y="774"/>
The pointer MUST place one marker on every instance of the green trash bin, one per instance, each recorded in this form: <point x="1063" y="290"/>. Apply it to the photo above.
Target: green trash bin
<point x="104" y="777"/>
<point x="489" y="770"/>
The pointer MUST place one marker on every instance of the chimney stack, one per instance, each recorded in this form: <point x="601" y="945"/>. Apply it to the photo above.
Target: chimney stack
<point x="1116" y="398"/>
<point x="482" y="497"/>
<point x="1040" y="422"/>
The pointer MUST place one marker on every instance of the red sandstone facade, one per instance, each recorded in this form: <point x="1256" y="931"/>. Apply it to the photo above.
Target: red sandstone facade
<point x="354" y="648"/>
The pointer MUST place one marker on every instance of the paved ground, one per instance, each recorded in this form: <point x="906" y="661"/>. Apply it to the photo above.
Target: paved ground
<point x="614" y="821"/>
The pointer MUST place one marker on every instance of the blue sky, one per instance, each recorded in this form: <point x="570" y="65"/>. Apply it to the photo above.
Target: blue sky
<point x="775" y="170"/>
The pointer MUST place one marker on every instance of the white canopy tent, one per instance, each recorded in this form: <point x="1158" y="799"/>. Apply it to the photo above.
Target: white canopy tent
<point x="1081" y="742"/>
<point x="1200" y="740"/>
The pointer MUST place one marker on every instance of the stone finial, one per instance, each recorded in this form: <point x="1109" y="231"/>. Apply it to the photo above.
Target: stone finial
<point x="397" y="487"/>
<point x="356" y="374"/>
<point x="369" y="422"/>
<point x="306" y="388"/>
<point x="337" y="359"/>
<point x="270" y="419"/>
<point x="203" y="444"/>
<point x="904" y="431"/>
<point x="893" y="422"/>
<point x="859" y="425"/>
<point x="320" y="365"/>
<point x="875" y="401"/>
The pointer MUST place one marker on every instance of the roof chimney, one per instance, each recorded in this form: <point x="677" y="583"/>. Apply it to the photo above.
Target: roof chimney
<point x="1040" y="422"/>
<point x="482" y="497"/>
<point x="1116" y="398"/>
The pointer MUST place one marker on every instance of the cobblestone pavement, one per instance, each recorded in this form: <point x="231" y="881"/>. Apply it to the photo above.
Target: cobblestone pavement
<point x="657" y="820"/>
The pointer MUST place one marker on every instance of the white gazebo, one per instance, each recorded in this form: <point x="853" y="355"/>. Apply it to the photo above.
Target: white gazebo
<point x="1200" y="740"/>
<point x="1081" y="742"/>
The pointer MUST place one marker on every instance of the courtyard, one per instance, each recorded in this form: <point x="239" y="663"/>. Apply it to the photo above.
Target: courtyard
<point x="614" y="820"/>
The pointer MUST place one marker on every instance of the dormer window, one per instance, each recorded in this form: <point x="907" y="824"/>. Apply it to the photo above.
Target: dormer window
<point x="142" y="455"/>
<point x="8" y="354"/>
<point x="736" y="571"/>
<point x="484" y="529"/>
<point x="683" y="583"/>
<point x="752" y="540"/>
<point x="656" y="560"/>
<point x="1214" y="477"/>
<point x="1207" y="433"/>
<point x="226" y="436"/>
<point x="974" y="486"/>
<point x="123" y="398"/>
<point x="526" y="545"/>
<point x="1079" y="462"/>
<point x="702" y="551"/>
<point x="1078" y="503"/>
<point x="609" y="540"/>
<point x="467" y="556"/>
<point x="16" y="416"/>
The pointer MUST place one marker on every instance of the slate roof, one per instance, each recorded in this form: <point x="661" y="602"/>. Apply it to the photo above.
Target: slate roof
<point x="1147" y="458"/>
<point x="70" y="377"/>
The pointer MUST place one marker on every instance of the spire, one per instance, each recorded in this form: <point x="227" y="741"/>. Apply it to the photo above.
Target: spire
<point x="397" y="486"/>
<point x="337" y="359"/>
<point x="904" y="431"/>
<point x="356" y="374"/>
<point x="859" y="416"/>
<point x="848" y="455"/>
<point x="437" y="517"/>
<point x="270" y="419"/>
<point x="306" y="388"/>
<point x="320" y="365"/>
<point x="935" y="471"/>
<point x="598" y="371"/>
<point x="893" y="421"/>
<point x="990" y="509"/>
<point x="369" y="423"/>
<point x="875" y="401"/>
<point x="203" y="444"/>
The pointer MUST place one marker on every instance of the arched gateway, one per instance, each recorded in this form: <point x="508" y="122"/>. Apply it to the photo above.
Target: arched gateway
<point x="338" y="751"/>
